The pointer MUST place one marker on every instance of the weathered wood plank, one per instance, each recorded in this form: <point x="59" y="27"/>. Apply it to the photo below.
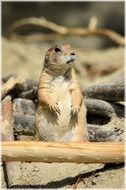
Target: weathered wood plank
<point x="85" y="152"/>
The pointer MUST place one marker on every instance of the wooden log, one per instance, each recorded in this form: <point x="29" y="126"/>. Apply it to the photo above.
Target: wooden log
<point x="6" y="78"/>
<point x="12" y="169"/>
<point x="30" y="94"/>
<point x="10" y="84"/>
<point x="103" y="133"/>
<point x="114" y="92"/>
<point x="85" y="152"/>
<point x="29" y="85"/>
<point x="104" y="108"/>
<point x="23" y="106"/>
<point x="19" y="87"/>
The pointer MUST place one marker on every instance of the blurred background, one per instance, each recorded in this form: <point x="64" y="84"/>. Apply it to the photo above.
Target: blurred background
<point x="21" y="57"/>
<point x="72" y="14"/>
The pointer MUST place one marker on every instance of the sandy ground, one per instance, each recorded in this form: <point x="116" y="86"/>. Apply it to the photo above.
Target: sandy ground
<point x="44" y="175"/>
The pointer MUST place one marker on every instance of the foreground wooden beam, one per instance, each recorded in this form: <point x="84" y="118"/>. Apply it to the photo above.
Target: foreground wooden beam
<point x="63" y="152"/>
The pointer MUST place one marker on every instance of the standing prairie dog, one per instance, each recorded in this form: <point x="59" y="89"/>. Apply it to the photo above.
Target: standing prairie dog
<point x="61" y="113"/>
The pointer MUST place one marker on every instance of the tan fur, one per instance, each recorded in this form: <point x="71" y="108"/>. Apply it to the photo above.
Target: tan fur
<point x="61" y="113"/>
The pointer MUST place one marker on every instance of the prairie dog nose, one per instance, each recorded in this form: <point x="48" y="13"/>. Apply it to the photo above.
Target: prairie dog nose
<point x="72" y="53"/>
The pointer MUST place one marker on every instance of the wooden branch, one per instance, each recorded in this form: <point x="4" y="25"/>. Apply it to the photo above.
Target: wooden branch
<point x="112" y="92"/>
<point x="85" y="152"/>
<point x="30" y="94"/>
<point x="117" y="38"/>
<point x="6" y="78"/>
<point x="7" y="135"/>
<point x="103" y="108"/>
<point x="10" y="84"/>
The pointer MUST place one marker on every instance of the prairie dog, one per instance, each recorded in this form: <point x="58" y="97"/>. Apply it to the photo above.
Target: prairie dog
<point x="61" y="113"/>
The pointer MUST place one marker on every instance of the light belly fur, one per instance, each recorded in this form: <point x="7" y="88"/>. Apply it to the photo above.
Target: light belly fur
<point x="50" y="127"/>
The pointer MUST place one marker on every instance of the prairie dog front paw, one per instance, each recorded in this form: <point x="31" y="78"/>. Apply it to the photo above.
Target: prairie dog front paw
<point x="75" y="109"/>
<point x="54" y="108"/>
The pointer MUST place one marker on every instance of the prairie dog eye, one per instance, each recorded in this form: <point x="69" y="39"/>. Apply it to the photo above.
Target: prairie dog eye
<point x="57" y="50"/>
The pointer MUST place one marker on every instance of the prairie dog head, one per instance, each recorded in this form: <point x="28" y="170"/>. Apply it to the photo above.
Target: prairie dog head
<point x="60" y="56"/>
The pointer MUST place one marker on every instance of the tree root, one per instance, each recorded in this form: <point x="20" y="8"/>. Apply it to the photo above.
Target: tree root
<point x="64" y="31"/>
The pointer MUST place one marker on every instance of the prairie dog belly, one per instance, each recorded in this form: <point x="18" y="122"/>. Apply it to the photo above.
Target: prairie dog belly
<point x="65" y="108"/>
<point x="54" y="128"/>
<point x="64" y="100"/>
